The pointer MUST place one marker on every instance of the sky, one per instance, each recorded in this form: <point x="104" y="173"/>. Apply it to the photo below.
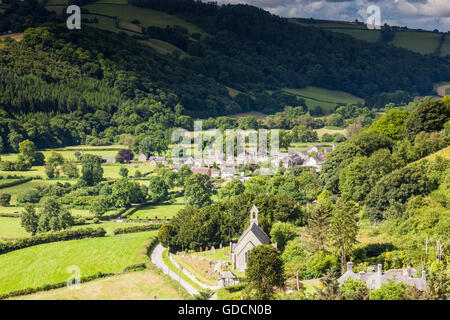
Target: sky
<point x="416" y="14"/>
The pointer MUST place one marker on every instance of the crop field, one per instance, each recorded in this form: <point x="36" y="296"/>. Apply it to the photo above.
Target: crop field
<point x="360" y="34"/>
<point x="47" y="263"/>
<point x="421" y="42"/>
<point x="141" y="285"/>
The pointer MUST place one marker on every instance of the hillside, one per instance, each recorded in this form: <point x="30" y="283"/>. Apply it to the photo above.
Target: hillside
<point x="420" y="41"/>
<point x="95" y="85"/>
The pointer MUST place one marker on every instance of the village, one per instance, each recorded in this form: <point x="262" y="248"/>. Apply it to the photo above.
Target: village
<point x="215" y="165"/>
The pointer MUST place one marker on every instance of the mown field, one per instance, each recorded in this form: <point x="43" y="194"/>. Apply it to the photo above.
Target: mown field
<point x="142" y="285"/>
<point x="163" y="211"/>
<point x="324" y="98"/>
<point x="47" y="264"/>
<point x="146" y="17"/>
<point x="360" y="34"/>
<point x="421" y="42"/>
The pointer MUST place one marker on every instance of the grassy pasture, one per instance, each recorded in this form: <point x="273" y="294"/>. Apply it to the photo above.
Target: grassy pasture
<point x="10" y="228"/>
<point x="163" y="211"/>
<point x="421" y="42"/>
<point x="360" y="34"/>
<point x="142" y="285"/>
<point x="15" y="190"/>
<point x="322" y="131"/>
<point x="147" y="17"/>
<point x="445" y="49"/>
<point x="110" y="226"/>
<point x="327" y="99"/>
<point x="45" y="264"/>
<point x="163" y="47"/>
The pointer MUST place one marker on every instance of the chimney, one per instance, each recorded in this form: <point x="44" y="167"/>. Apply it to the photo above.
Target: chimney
<point x="380" y="268"/>
<point x="350" y="266"/>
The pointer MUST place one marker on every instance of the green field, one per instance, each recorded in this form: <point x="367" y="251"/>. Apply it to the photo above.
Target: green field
<point x="163" y="47"/>
<point x="445" y="49"/>
<point x="146" y="17"/>
<point x="163" y="211"/>
<point x="421" y="42"/>
<point x="15" y="190"/>
<point x="47" y="264"/>
<point x="110" y="226"/>
<point x="10" y="228"/>
<point x="327" y="99"/>
<point x="141" y="285"/>
<point x="360" y="34"/>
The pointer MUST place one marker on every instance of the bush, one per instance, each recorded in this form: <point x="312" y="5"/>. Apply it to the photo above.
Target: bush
<point x="146" y="227"/>
<point x="14" y="183"/>
<point x="319" y="264"/>
<point x="390" y="291"/>
<point x="29" y="196"/>
<point x="5" y="198"/>
<point x="51" y="237"/>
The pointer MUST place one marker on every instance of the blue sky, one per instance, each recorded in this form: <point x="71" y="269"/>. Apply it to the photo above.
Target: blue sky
<point x="424" y="14"/>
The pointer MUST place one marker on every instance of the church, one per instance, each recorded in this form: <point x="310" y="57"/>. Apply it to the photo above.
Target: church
<point x="253" y="236"/>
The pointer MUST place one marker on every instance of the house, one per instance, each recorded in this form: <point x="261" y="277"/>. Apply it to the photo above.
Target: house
<point x="312" y="149"/>
<point x="228" y="172"/>
<point x="252" y="237"/>
<point x="108" y="159"/>
<point x="315" y="161"/>
<point x="201" y="170"/>
<point x="215" y="173"/>
<point x="142" y="157"/>
<point x="374" y="280"/>
<point x="176" y="166"/>
<point x="157" y="160"/>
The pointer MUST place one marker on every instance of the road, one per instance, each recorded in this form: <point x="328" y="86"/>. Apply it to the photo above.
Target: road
<point x="157" y="259"/>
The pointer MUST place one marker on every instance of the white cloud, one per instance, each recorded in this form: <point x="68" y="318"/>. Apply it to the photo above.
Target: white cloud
<point x="425" y="14"/>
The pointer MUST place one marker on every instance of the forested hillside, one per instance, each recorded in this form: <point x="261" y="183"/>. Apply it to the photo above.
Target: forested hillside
<point x="61" y="87"/>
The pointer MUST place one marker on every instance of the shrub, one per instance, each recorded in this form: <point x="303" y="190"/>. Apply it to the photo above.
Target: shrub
<point x="29" y="196"/>
<point x="51" y="237"/>
<point x="5" y="198"/>
<point x="147" y="227"/>
<point x="390" y="291"/>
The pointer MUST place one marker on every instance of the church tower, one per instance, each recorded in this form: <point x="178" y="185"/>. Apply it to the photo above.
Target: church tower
<point x="254" y="215"/>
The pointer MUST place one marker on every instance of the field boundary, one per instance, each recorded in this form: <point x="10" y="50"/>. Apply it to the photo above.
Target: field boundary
<point x="148" y="247"/>
<point x="15" y="183"/>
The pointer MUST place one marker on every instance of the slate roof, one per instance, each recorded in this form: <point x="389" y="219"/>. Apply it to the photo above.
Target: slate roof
<point x="258" y="232"/>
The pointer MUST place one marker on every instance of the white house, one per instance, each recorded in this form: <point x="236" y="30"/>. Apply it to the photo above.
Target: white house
<point x="142" y="157"/>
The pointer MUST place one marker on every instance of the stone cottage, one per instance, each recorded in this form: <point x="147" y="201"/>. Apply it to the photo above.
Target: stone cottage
<point x="252" y="237"/>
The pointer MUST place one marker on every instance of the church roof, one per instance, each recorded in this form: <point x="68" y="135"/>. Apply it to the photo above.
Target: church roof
<point x="258" y="232"/>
